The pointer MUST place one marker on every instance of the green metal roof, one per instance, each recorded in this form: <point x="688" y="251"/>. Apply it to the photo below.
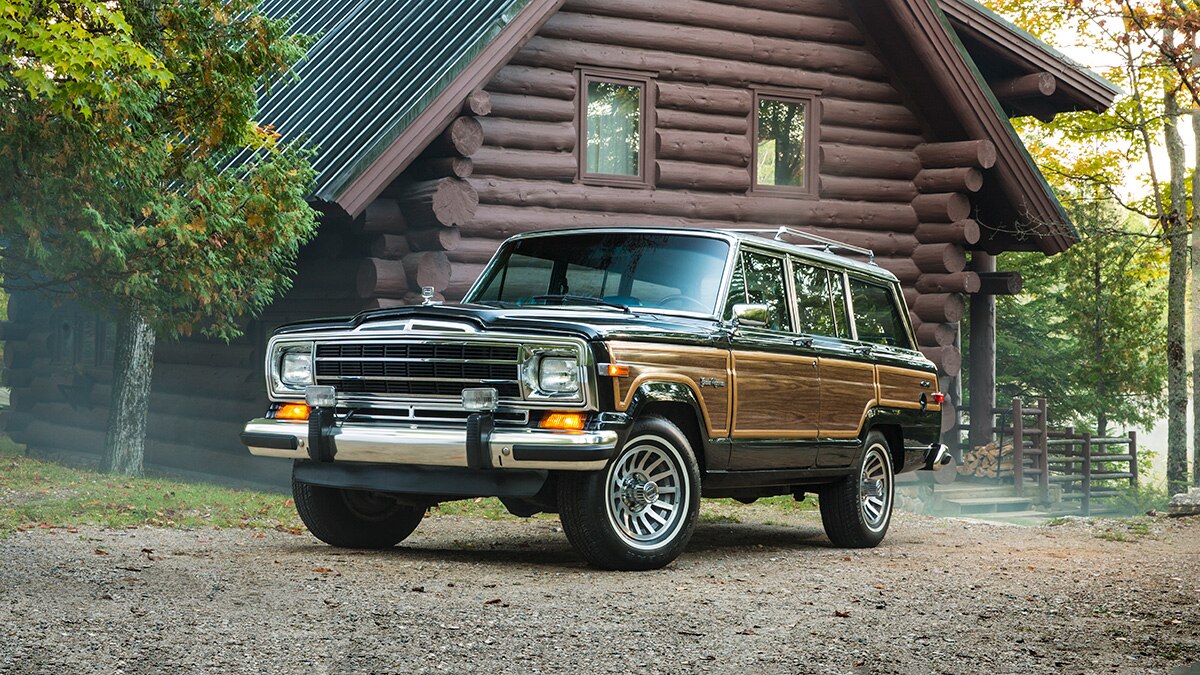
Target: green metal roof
<point x="376" y="65"/>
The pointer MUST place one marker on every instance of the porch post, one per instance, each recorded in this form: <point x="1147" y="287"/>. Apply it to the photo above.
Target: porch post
<point x="982" y="365"/>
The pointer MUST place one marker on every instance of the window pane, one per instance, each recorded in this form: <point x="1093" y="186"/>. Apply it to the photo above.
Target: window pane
<point x="813" y="301"/>
<point x="614" y="135"/>
<point x="758" y="280"/>
<point x="876" y="315"/>
<point x="781" y="151"/>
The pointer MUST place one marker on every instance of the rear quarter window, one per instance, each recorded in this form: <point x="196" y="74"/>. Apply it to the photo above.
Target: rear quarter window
<point x="877" y="315"/>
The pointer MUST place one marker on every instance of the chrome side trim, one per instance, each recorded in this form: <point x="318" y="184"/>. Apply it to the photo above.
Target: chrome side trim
<point x="434" y="446"/>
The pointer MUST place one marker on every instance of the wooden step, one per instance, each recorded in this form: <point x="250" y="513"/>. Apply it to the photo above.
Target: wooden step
<point x="981" y="505"/>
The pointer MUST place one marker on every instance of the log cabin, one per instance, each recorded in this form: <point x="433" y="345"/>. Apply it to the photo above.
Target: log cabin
<point x="442" y="127"/>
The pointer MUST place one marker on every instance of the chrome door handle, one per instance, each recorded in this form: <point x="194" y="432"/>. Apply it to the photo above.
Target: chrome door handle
<point x="865" y="350"/>
<point x="803" y="342"/>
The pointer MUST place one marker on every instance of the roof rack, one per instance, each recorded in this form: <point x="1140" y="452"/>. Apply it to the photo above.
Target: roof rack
<point x="823" y="243"/>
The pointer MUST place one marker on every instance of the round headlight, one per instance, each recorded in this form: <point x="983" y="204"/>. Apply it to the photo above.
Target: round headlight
<point x="558" y="374"/>
<point x="295" y="369"/>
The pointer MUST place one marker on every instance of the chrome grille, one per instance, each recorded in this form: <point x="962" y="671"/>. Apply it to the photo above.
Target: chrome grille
<point x="418" y="368"/>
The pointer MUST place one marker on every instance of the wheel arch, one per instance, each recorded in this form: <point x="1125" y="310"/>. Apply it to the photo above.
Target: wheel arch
<point x="678" y="404"/>
<point x="894" y="436"/>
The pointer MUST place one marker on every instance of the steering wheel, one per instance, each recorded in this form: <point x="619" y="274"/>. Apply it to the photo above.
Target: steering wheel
<point x="684" y="302"/>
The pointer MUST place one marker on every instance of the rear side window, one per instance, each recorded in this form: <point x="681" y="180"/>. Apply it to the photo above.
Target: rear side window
<point x="758" y="280"/>
<point x="820" y="307"/>
<point x="877" y="314"/>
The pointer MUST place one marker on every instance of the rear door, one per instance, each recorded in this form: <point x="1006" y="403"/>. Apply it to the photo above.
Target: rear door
<point x="848" y="388"/>
<point x="880" y="324"/>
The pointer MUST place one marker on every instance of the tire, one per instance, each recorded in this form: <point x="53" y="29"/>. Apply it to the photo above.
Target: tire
<point x="857" y="510"/>
<point x="355" y="518"/>
<point x="640" y="511"/>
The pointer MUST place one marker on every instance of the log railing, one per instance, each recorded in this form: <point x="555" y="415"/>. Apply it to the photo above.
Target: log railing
<point x="1030" y="450"/>
<point x="1090" y="467"/>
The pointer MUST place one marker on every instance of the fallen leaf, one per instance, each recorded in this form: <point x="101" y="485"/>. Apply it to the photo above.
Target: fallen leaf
<point x="322" y="570"/>
<point x="417" y="589"/>
<point x="493" y="601"/>
<point x="746" y="631"/>
<point x="842" y="615"/>
<point x="101" y="551"/>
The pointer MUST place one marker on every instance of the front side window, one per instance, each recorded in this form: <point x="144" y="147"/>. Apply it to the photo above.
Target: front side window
<point x="783" y="139"/>
<point x="613" y="138"/>
<point x="758" y="280"/>
<point x="877" y="314"/>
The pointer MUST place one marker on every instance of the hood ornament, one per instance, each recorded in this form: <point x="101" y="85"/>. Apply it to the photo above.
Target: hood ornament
<point x="427" y="296"/>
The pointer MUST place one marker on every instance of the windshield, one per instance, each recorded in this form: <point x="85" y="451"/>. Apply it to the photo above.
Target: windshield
<point x="660" y="271"/>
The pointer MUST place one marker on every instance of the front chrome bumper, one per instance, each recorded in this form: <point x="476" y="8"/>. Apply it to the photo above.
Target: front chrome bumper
<point x="436" y="445"/>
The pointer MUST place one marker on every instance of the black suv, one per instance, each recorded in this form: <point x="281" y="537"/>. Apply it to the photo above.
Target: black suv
<point x="613" y="376"/>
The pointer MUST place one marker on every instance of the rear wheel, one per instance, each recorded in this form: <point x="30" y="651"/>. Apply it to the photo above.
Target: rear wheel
<point x="640" y="511"/>
<point x="857" y="510"/>
<point x="355" y="518"/>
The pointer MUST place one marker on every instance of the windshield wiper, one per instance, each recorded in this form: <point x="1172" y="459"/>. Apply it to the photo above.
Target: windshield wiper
<point x="563" y="298"/>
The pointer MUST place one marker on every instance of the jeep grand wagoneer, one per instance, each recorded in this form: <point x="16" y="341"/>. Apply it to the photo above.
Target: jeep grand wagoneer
<point x="613" y="376"/>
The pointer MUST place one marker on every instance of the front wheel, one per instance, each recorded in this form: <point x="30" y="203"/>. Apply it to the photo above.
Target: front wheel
<point x="355" y="518"/>
<point x="857" y="510"/>
<point x="640" y="511"/>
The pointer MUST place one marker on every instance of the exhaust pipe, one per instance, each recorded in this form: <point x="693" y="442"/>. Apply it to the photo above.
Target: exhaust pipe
<point x="939" y="456"/>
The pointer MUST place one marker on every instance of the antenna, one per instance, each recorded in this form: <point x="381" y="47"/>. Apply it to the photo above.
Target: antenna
<point x="823" y="243"/>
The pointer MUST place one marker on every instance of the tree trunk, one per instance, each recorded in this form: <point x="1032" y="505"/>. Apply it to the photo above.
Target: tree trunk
<point x="133" y="362"/>
<point x="1175" y="231"/>
<point x="1195" y="274"/>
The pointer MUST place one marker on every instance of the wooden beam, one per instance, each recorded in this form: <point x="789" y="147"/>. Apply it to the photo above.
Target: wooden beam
<point x="1000" y="283"/>
<point x="525" y="107"/>
<point x="1034" y="85"/>
<point x="478" y="102"/>
<point x="527" y="81"/>
<point x="697" y="176"/>
<point x="977" y="154"/>
<point x="958" y="179"/>
<point x="982" y="349"/>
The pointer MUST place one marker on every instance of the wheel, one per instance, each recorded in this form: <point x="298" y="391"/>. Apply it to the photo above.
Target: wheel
<point x="640" y="511"/>
<point x="857" y="510"/>
<point x="355" y="518"/>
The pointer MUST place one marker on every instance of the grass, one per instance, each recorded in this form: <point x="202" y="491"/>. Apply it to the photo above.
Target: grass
<point x="36" y="493"/>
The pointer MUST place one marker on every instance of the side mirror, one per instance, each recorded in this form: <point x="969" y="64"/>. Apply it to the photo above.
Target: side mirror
<point x="750" y="315"/>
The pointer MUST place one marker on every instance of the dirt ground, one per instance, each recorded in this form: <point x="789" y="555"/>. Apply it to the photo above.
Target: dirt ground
<point x="465" y="594"/>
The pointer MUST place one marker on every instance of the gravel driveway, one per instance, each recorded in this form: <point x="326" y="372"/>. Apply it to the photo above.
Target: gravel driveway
<point x="472" y="595"/>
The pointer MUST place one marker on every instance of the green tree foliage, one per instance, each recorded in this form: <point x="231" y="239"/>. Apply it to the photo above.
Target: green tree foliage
<point x="133" y="176"/>
<point x="1088" y="333"/>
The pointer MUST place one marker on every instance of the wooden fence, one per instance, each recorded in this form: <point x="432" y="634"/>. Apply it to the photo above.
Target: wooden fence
<point x="1090" y="467"/>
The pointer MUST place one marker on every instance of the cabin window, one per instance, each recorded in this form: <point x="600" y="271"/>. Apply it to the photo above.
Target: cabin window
<point x="613" y="125"/>
<point x="784" y="142"/>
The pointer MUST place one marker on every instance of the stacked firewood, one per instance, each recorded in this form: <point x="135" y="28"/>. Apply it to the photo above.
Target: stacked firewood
<point x="988" y="461"/>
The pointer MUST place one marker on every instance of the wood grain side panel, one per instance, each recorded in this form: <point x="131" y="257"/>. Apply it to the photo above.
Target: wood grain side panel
<point x="685" y="365"/>
<point x="775" y="396"/>
<point x="848" y="392"/>
<point x="901" y="387"/>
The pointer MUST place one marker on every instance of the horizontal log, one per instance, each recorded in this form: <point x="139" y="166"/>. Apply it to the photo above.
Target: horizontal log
<point x="827" y="8"/>
<point x="742" y="19"/>
<point x="429" y="168"/>
<point x="379" y="277"/>
<point x="566" y="54"/>
<point x="462" y="277"/>
<point x="698" y="121"/>
<point x="538" y="108"/>
<point x="880" y="138"/>
<point x="868" y="114"/>
<point x="434" y="238"/>
<point x="383" y="215"/>
<point x="698" y="206"/>
<point x="937" y="307"/>
<point x="696" y="176"/>
<point x="944" y="207"/>
<point x="426" y="269"/>
<point x="940" y="258"/>
<point x="478" y="102"/>
<point x="527" y="81"/>
<point x="446" y="201"/>
<point x="12" y="331"/>
<point x="703" y="99"/>
<point x="462" y="137"/>
<point x="476" y="250"/>
<point x="504" y="132"/>
<point x="948" y="359"/>
<point x="867" y="189"/>
<point x="527" y="164"/>
<point x="904" y="268"/>
<point x="959" y="282"/>
<point x="323" y="278"/>
<point x="325" y="246"/>
<point x="699" y="146"/>
<point x="391" y="246"/>
<point x="958" y="179"/>
<point x="1000" y="283"/>
<point x="1033" y="85"/>
<point x="494" y="223"/>
<point x="976" y="154"/>
<point x="961" y="232"/>
<point x="793" y="51"/>
<point x="861" y="162"/>
<point x="936" y="334"/>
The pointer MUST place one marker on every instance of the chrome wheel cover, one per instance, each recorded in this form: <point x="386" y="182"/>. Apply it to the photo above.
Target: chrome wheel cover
<point x="875" y="488"/>
<point x="648" y="493"/>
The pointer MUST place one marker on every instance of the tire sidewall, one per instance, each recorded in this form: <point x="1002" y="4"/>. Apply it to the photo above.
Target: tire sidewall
<point x="877" y="444"/>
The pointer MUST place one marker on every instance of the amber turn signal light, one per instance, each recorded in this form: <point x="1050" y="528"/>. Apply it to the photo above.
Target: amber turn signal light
<point x="565" y="421"/>
<point x="292" y="411"/>
<point x="615" y="370"/>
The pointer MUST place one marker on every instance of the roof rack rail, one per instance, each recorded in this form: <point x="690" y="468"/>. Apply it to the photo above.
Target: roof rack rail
<point x="823" y="243"/>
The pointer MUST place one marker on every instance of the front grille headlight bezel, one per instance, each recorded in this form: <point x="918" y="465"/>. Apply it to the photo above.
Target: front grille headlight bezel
<point x="298" y="350"/>
<point x="567" y="368"/>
